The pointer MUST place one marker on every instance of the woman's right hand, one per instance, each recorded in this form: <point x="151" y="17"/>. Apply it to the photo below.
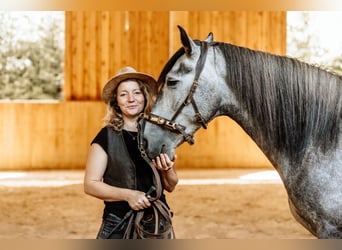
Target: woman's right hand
<point x="138" y="200"/>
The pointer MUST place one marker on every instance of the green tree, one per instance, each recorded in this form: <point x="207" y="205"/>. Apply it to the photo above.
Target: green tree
<point x="31" y="65"/>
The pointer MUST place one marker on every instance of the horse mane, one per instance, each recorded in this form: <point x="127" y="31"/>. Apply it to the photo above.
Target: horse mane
<point x="295" y="105"/>
<point x="168" y="66"/>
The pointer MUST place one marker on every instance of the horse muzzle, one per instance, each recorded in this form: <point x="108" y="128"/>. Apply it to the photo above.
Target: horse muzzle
<point x="153" y="141"/>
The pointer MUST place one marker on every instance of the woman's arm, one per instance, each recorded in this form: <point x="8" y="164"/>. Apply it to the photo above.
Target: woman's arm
<point x="94" y="185"/>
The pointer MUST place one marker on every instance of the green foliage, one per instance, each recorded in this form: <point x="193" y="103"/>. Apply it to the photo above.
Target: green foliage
<point x="31" y="55"/>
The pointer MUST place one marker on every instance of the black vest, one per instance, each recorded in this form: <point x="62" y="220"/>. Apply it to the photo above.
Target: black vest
<point x="120" y="170"/>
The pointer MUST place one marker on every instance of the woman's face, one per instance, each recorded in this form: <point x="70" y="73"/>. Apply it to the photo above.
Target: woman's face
<point x="130" y="98"/>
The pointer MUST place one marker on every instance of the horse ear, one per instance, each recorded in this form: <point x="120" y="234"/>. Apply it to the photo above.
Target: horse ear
<point x="210" y="38"/>
<point x="187" y="42"/>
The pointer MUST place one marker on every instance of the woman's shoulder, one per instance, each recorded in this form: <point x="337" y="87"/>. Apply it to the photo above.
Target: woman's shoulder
<point x="101" y="135"/>
<point x="105" y="134"/>
<point x="104" y="131"/>
<point x="109" y="129"/>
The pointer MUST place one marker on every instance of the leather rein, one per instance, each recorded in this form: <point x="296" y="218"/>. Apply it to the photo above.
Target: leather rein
<point x="171" y="124"/>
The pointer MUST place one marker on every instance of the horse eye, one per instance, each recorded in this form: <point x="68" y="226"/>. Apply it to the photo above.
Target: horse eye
<point x="171" y="83"/>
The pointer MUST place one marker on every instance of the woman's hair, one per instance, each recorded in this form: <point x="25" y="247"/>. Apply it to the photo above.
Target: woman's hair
<point x="114" y="118"/>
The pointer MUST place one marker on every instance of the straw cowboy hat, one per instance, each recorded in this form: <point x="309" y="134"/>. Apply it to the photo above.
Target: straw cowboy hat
<point x="125" y="74"/>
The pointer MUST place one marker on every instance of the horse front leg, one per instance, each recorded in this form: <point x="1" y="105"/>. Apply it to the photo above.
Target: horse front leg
<point x="298" y="217"/>
<point x="322" y="229"/>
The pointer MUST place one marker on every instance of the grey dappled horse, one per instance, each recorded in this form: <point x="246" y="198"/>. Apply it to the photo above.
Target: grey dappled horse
<point x="292" y="110"/>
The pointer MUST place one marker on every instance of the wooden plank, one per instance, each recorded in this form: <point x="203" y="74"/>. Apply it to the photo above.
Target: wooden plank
<point x="177" y="18"/>
<point x="103" y="51"/>
<point x="158" y="42"/>
<point x="67" y="52"/>
<point x="78" y="56"/>
<point x="89" y="55"/>
<point x="116" y="27"/>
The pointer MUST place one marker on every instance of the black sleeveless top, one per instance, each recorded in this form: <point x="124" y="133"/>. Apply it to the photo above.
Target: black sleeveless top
<point x="143" y="171"/>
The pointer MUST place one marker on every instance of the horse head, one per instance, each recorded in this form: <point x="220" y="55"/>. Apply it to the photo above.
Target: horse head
<point x="187" y="98"/>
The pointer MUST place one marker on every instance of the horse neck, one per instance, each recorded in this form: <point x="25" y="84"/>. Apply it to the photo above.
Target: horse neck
<point x="235" y="108"/>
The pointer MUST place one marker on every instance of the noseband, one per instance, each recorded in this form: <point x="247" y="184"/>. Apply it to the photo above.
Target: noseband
<point x="171" y="124"/>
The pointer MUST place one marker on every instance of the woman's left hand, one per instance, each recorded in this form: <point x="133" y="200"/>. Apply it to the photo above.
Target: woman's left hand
<point x="168" y="173"/>
<point x="163" y="162"/>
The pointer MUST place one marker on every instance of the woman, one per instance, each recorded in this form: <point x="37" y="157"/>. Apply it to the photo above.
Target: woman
<point x="115" y="171"/>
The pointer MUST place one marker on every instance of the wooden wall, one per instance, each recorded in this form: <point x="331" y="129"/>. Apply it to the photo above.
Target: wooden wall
<point x="100" y="43"/>
<point x="57" y="135"/>
<point x="47" y="136"/>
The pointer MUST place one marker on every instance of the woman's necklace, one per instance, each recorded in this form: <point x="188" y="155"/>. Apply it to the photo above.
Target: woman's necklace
<point x="131" y="124"/>
<point x="133" y="134"/>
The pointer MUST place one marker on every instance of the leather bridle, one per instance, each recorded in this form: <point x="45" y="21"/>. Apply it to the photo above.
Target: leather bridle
<point x="171" y="124"/>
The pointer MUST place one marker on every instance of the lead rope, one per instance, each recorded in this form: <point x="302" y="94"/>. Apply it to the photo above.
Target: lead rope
<point x="156" y="177"/>
<point x="162" y="215"/>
